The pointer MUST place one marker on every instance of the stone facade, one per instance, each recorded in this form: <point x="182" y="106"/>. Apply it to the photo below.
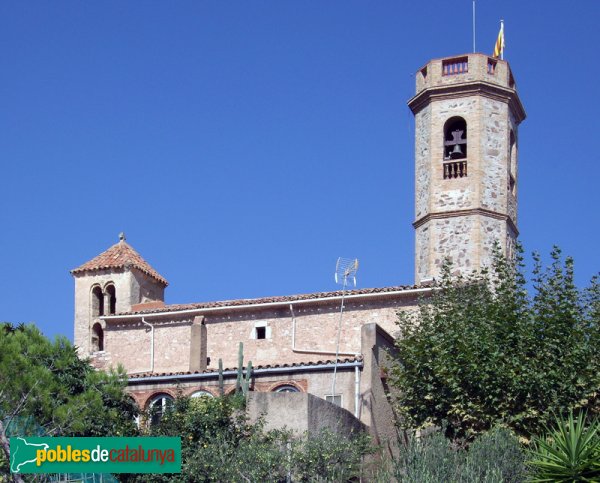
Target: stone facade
<point x="131" y="287"/>
<point x="463" y="205"/>
<point x="466" y="201"/>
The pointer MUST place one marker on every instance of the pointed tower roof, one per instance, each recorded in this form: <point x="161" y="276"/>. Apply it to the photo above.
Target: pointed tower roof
<point x="120" y="255"/>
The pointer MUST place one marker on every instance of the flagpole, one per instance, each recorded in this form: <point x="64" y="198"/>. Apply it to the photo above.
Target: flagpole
<point x="502" y="46"/>
<point x="474" y="26"/>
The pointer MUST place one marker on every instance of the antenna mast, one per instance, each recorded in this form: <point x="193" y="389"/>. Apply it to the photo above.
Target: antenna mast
<point x="345" y="272"/>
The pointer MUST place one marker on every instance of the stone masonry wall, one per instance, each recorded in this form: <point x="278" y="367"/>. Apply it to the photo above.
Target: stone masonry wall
<point x="491" y="231"/>
<point x="316" y="329"/>
<point x="317" y="383"/>
<point x="465" y="239"/>
<point x="512" y="198"/>
<point x="128" y="342"/>
<point x="423" y="252"/>
<point x="422" y="162"/>
<point x="145" y="288"/>
<point x="494" y="146"/>
<point x="456" y="239"/>
<point x="83" y="302"/>
<point x="467" y="108"/>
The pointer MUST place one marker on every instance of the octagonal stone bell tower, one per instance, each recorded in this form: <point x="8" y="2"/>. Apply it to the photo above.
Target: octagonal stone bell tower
<point x="467" y="112"/>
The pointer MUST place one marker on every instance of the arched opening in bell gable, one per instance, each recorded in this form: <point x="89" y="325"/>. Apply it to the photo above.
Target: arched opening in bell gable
<point x="97" y="338"/>
<point x="97" y="302"/>
<point x="111" y="296"/>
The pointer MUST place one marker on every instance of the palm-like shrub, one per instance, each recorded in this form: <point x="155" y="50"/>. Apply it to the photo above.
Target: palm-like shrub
<point x="568" y="452"/>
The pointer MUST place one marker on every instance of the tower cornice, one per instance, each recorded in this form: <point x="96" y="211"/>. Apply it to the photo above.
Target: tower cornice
<point x="467" y="212"/>
<point x="466" y="89"/>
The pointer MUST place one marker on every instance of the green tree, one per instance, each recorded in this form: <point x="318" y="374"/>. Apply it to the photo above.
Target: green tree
<point x="46" y="389"/>
<point x="481" y="352"/>
<point x="219" y="444"/>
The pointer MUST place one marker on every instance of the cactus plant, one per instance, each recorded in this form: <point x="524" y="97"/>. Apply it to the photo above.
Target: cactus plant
<point x="240" y="368"/>
<point x="247" y="380"/>
<point x="243" y="381"/>
<point x="221" y="385"/>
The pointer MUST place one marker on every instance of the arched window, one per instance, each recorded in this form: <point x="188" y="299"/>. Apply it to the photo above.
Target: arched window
<point x="97" y="302"/>
<point x="159" y="405"/>
<point x="112" y="299"/>
<point x="455" y="139"/>
<point x="202" y="394"/>
<point x="286" y="388"/>
<point x="97" y="338"/>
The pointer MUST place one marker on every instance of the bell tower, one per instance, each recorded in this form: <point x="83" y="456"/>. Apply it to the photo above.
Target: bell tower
<point x="115" y="281"/>
<point x="467" y="112"/>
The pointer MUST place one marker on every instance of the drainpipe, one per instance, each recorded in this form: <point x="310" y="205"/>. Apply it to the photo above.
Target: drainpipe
<point x="312" y="351"/>
<point x="357" y="392"/>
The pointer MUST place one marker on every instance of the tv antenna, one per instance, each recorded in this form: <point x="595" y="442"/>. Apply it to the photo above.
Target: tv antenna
<point x="345" y="274"/>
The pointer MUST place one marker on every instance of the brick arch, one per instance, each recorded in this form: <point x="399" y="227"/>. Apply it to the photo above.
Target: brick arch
<point x="273" y="387"/>
<point x="231" y="389"/>
<point x="215" y="393"/>
<point x="165" y="392"/>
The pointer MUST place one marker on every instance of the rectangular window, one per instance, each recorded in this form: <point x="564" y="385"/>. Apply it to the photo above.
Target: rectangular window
<point x="261" y="330"/>
<point x="337" y="399"/>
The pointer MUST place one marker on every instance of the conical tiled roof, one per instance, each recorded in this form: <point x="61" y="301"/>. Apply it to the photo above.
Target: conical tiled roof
<point x="120" y="255"/>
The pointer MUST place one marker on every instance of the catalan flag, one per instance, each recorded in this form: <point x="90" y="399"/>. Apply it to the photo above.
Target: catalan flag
<point x="499" y="47"/>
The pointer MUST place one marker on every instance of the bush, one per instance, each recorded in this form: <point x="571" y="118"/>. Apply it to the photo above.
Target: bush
<point x="327" y="456"/>
<point x="219" y="444"/>
<point x="494" y="457"/>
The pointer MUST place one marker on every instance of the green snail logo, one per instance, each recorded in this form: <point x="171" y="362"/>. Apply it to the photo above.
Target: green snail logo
<point x="23" y="453"/>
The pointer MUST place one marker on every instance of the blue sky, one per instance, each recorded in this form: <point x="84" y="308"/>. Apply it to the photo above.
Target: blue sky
<point x="244" y="146"/>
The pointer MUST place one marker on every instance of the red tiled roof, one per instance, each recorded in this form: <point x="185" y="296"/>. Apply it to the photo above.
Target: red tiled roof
<point x="267" y="366"/>
<point x="276" y="299"/>
<point x="120" y="255"/>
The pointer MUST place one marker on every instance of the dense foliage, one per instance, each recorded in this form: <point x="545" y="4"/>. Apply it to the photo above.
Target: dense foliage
<point x="494" y="457"/>
<point x="219" y="444"/>
<point x="480" y="351"/>
<point x="45" y="389"/>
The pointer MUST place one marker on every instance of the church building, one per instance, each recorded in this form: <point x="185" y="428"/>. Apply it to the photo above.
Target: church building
<point x="467" y="112"/>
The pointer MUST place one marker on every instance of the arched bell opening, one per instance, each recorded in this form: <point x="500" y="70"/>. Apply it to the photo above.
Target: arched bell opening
<point x="97" y="302"/>
<point x="111" y="299"/>
<point x="455" y="139"/>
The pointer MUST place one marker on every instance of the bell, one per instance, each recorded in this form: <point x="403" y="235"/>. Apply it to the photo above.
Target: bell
<point x="456" y="152"/>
